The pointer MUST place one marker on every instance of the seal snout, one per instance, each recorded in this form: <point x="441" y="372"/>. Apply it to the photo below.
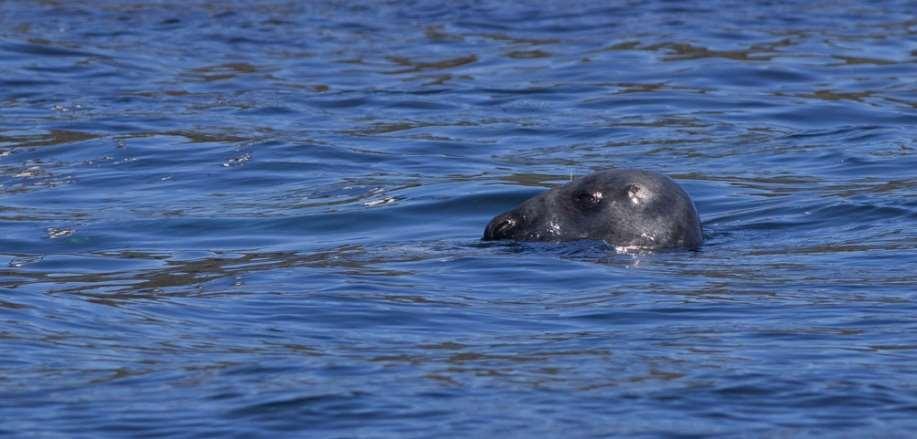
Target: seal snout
<point x="501" y="227"/>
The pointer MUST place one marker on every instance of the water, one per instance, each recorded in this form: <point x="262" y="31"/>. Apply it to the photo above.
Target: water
<point x="252" y="218"/>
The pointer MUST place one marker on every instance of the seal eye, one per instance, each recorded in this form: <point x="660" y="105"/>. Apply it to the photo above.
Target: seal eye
<point x="504" y="227"/>
<point x="587" y="200"/>
<point x="636" y="194"/>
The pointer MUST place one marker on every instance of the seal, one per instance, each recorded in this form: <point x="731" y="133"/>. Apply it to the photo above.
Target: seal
<point x="627" y="208"/>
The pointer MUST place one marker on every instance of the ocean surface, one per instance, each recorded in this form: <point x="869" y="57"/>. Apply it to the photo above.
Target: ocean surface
<point x="262" y="218"/>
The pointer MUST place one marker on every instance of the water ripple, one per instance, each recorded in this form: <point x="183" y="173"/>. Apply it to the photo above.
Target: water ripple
<point x="251" y="218"/>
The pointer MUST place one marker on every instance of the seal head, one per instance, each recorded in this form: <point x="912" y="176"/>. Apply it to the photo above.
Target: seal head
<point x="624" y="207"/>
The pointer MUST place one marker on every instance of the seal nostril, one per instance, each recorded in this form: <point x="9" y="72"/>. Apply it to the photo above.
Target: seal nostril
<point x="501" y="227"/>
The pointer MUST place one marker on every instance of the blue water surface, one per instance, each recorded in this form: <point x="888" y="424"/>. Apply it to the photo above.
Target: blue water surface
<point x="245" y="219"/>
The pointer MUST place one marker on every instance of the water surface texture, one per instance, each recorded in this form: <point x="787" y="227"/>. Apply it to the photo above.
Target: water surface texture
<point x="252" y="218"/>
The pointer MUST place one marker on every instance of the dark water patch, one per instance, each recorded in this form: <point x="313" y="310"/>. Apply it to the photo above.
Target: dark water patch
<point x="44" y="48"/>
<point x="14" y="84"/>
<point x="686" y="51"/>
<point x="55" y="137"/>
<point x="417" y="66"/>
<point x="333" y="103"/>
<point x="821" y="115"/>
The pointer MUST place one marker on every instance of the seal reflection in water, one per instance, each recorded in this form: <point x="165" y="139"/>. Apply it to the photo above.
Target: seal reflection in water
<point x="626" y="208"/>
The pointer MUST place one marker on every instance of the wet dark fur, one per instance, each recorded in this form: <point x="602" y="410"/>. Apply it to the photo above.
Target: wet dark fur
<point x="623" y="207"/>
